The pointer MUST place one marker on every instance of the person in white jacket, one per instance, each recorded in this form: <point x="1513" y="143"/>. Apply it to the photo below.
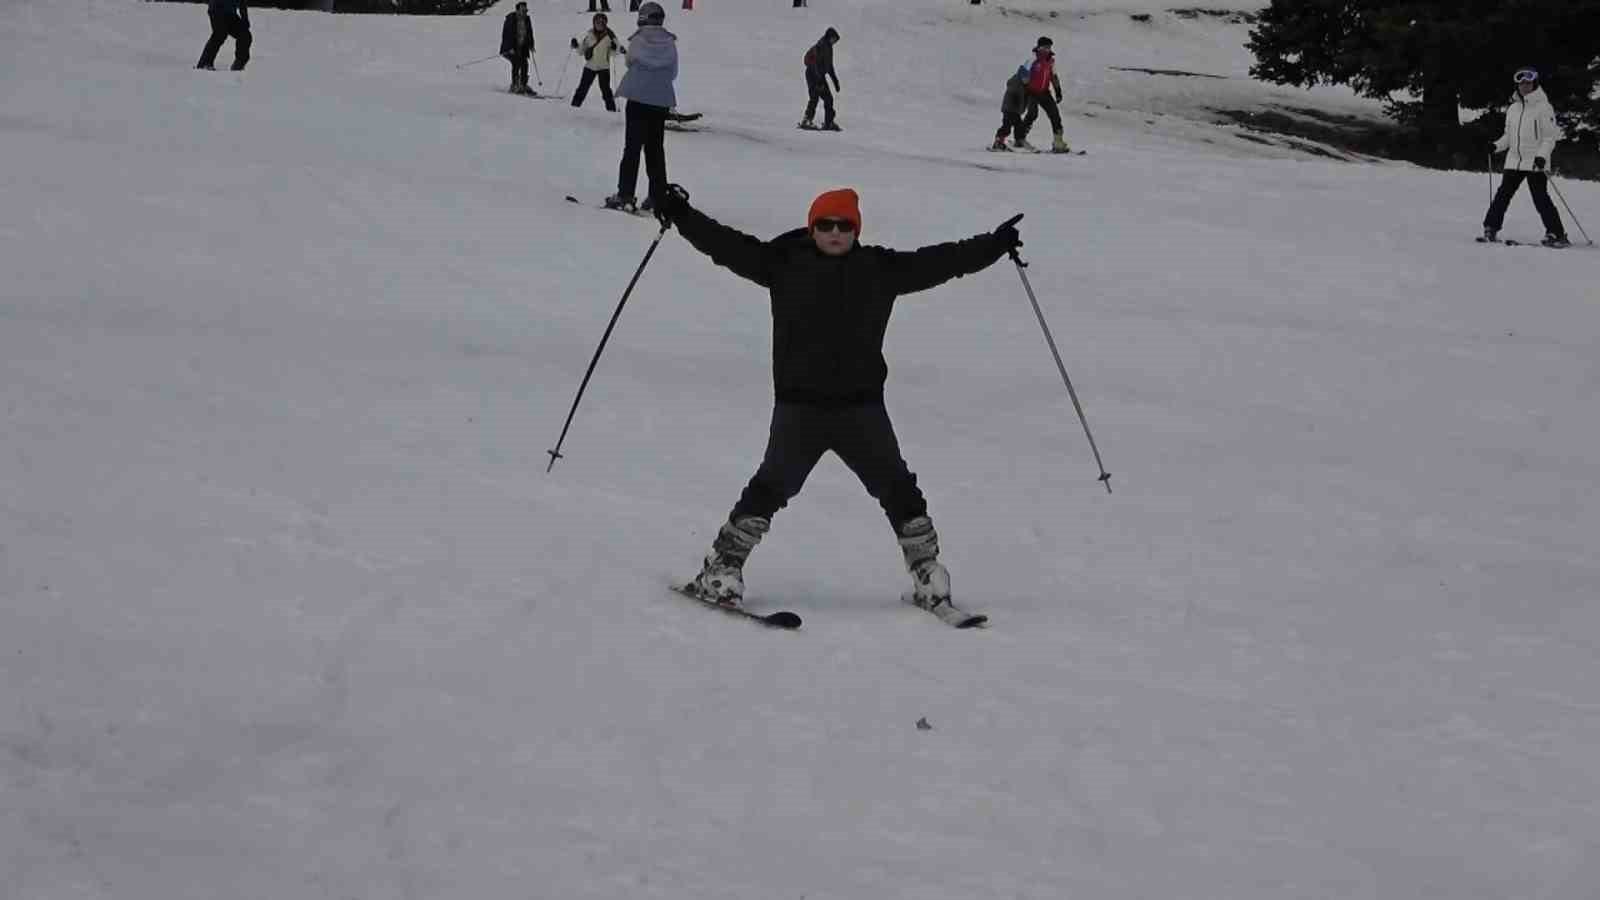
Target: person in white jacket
<point x="598" y="45"/>
<point x="1529" y="139"/>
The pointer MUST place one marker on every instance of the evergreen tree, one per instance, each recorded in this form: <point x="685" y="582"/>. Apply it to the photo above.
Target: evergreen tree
<point x="1428" y="58"/>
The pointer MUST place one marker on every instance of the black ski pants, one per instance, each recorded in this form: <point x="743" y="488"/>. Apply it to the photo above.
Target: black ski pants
<point x="605" y="6"/>
<point x="519" y="69"/>
<point x="1011" y="123"/>
<point x="223" y="26"/>
<point x="645" y="132"/>
<point x="1539" y="187"/>
<point x="817" y="87"/>
<point x="863" y="438"/>
<point x="588" y="78"/>
<point x="1035" y="103"/>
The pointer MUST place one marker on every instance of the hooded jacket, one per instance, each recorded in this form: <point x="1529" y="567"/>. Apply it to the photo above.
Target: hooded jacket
<point x="1531" y="130"/>
<point x="652" y="67"/>
<point x="830" y="313"/>
<point x="819" y="59"/>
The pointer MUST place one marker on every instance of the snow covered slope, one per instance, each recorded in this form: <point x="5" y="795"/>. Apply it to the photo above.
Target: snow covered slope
<point x="289" y="607"/>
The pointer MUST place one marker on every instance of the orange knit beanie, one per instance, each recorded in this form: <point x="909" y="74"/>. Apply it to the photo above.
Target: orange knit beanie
<point x="840" y="204"/>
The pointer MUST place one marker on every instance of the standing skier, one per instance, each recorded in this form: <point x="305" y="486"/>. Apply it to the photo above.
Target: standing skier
<point x="652" y="67"/>
<point x="1042" y="81"/>
<point x="1012" y="107"/>
<point x="831" y="301"/>
<point x="1529" y="139"/>
<point x="819" y="68"/>
<point x="598" y="43"/>
<point x="229" y="18"/>
<point x="516" y="45"/>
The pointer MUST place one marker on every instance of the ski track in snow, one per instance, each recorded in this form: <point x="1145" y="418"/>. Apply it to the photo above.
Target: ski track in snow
<point x="289" y="607"/>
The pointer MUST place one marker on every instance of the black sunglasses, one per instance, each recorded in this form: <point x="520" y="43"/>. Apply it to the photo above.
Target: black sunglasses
<point x="826" y="225"/>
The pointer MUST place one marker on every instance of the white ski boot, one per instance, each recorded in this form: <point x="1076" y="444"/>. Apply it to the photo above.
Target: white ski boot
<point x="721" y="578"/>
<point x="930" y="580"/>
<point x="1059" y="145"/>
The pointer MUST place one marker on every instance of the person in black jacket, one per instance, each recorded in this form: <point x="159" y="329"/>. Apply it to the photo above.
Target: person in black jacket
<point x="819" y="68"/>
<point x="229" y="18"/>
<point x="831" y="301"/>
<point x="516" y="44"/>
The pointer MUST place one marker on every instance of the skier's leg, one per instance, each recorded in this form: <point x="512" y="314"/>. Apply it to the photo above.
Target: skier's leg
<point x="219" y="33"/>
<point x="582" y="91"/>
<point x="814" y="95"/>
<point x="241" y="45"/>
<point x="867" y="444"/>
<point x="605" y="90"/>
<point x="1539" y="187"/>
<point x="633" y="144"/>
<point x="827" y="104"/>
<point x="519" y="72"/>
<point x="795" y="442"/>
<point x="1496" y="216"/>
<point x="655" y="151"/>
<point x="1028" y="118"/>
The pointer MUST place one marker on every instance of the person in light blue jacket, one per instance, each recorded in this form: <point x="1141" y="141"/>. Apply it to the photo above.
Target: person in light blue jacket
<point x="647" y="86"/>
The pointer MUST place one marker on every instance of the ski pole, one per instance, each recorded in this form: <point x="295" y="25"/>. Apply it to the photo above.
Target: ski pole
<point x="1105" y="476"/>
<point x="1569" y="210"/>
<point x="476" y="61"/>
<point x="563" y="79"/>
<point x="1490" y="170"/>
<point x="536" y="77"/>
<point x="556" y="453"/>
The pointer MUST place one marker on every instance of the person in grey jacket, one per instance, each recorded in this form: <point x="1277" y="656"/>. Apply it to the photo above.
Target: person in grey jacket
<point x="647" y="86"/>
<point x="229" y="18"/>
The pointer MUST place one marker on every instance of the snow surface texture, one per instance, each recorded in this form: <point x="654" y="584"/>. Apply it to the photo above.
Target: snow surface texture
<point x="291" y="609"/>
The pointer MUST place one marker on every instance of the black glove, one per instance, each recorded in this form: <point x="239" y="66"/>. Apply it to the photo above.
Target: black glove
<point x="574" y="43"/>
<point x="1010" y="240"/>
<point x="589" y="53"/>
<point x="673" y="202"/>
<point x="1538" y="164"/>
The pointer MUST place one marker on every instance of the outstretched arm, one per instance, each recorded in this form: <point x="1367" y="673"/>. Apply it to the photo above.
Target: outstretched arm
<point x="743" y="255"/>
<point x="932" y="266"/>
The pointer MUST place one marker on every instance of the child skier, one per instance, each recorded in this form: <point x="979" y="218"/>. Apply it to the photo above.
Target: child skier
<point x="598" y="44"/>
<point x="1529" y="139"/>
<point x="1012" y="107"/>
<point x="819" y="68"/>
<point x="1042" y="80"/>
<point x="516" y="44"/>
<point x="831" y="300"/>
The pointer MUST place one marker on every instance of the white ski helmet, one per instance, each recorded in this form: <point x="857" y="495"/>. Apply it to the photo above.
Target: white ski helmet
<point x="652" y="14"/>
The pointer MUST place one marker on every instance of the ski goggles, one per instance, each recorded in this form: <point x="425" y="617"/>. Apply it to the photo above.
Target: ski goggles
<point x="828" y="225"/>
<point x="1526" y="76"/>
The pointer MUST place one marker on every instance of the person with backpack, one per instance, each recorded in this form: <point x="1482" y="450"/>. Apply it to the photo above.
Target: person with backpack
<point x="819" y="68"/>
<point x="831" y="300"/>
<point x="516" y="45"/>
<point x="1013" y="105"/>
<point x="1042" y="81"/>
<point x="1530" y="137"/>
<point x="597" y="47"/>
<point x="647" y="86"/>
<point x="229" y="18"/>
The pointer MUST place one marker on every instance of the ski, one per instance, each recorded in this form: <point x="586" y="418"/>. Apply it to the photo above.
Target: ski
<point x="1512" y="242"/>
<point x="631" y="211"/>
<point x="1037" y="151"/>
<point x="782" y="619"/>
<point x="686" y="129"/>
<point x="948" y="613"/>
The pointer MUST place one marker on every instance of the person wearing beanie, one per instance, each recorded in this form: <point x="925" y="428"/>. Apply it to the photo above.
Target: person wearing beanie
<point x="516" y="44"/>
<point x="1013" y="105"/>
<point x="1530" y="137"/>
<point x="647" y="86"/>
<point x="831" y="299"/>
<point x="1042" y="81"/>
<point x="819" y="68"/>
<point x="598" y="45"/>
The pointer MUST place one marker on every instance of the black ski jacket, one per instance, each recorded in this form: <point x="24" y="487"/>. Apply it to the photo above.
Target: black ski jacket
<point x="819" y="62"/>
<point x="508" y="36"/>
<point x="830" y="313"/>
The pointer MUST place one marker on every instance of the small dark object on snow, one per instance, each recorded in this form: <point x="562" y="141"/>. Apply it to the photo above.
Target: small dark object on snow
<point x="922" y="724"/>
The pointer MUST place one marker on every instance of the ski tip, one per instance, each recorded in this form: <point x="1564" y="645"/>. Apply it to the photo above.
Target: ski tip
<point x="572" y="199"/>
<point x="974" y="621"/>
<point x="785" y="620"/>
